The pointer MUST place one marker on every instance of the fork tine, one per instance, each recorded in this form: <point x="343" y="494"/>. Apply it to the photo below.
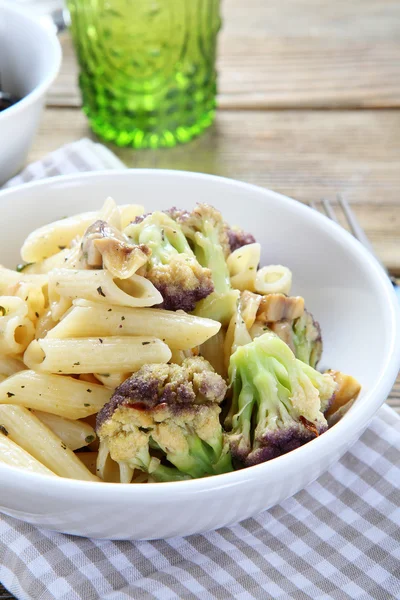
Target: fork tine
<point x="329" y="211"/>
<point x="355" y="226"/>
<point x="312" y="205"/>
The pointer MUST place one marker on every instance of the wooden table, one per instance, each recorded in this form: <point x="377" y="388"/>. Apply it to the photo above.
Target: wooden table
<point x="309" y="106"/>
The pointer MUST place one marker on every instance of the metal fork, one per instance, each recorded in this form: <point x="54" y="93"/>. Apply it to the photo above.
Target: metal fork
<point x="355" y="228"/>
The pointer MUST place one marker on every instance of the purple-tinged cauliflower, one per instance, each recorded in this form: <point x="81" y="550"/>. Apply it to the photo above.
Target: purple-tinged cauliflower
<point x="164" y="420"/>
<point x="277" y="401"/>
<point x="172" y="267"/>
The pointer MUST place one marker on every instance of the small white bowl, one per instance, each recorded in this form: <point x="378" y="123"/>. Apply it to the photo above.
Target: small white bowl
<point x="30" y="58"/>
<point x="344" y="287"/>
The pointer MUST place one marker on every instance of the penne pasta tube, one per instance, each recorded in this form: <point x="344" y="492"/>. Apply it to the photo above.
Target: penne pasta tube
<point x="89" y="459"/>
<point x="13" y="455"/>
<point x="74" y="434"/>
<point x="242" y="265"/>
<point x="249" y="305"/>
<point x="53" y="237"/>
<point x="10" y="365"/>
<point x="110" y="213"/>
<point x="273" y="279"/>
<point x="213" y="351"/>
<point x="63" y="396"/>
<point x="112" y="380"/>
<point x="100" y="286"/>
<point x="178" y="329"/>
<point x="9" y="280"/>
<point x="95" y="355"/>
<point x="26" y="430"/>
<point x="129" y="212"/>
<point x="44" y="324"/>
<point x="32" y="289"/>
<point x="16" y="330"/>
<point x="48" y="264"/>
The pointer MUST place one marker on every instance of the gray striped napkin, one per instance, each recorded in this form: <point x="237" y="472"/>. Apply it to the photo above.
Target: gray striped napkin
<point x="339" y="538"/>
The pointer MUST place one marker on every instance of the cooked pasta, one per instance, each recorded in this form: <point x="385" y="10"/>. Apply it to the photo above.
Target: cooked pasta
<point x="13" y="455"/>
<point x="179" y="330"/>
<point x="16" y="330"/>
<point x="74" y="434"/>
<point x="50" y="239"/>
<point x="122" y="345"/>
<point x="63" y="396"/>
<point x="242" y="264"/>
<point x="275" y="279"/>
<point x="26" y="430"/>
<point x="100" y="286"/>
<point x="95" y="355"/>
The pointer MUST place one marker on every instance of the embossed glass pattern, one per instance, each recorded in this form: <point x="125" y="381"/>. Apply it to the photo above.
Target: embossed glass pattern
<point x="147" y="68"/>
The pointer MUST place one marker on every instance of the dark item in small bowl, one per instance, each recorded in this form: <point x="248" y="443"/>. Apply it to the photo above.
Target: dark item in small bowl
<point x="7" y="100"/>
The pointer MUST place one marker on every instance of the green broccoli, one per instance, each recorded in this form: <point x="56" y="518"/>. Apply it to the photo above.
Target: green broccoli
<point x="172" y="266"/>
<point x="164" y="420"/>
<point x="276" y="401"/>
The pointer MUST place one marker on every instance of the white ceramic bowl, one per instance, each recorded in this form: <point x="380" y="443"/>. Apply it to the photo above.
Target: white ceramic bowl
<point x="344" y="287"/>
<point x="30" y="57"/>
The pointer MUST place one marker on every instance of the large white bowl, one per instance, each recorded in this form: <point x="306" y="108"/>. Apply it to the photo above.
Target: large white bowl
<point x="344" y="287"/>
<point x="30" y="57"/>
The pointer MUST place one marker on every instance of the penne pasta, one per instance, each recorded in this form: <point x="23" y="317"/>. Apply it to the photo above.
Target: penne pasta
<point x="10" y="365"/>
<point x="95" y="355"/>
<point x="112" y="380"/>
<point x="273" y="279"/>
<point x="13" y="455"/>
<point x="44" y="324"/>
<point x="55" y="394"/>
<point x="178" y="329"/>
<point x="74" y="434"/>
<point x="100" y="286"/>
<point x="32" y="289"/>
<point x="249" y="306"/>
<point x="16" y="330"/>
<point x="9" y="280"/>
<point x="26" y="430"/>
<point x="110" y="213"/>
<point x="48" y="264"/>
<point x="129" y="212"/>
<point x="242" y="265"/>
<point x="50" y="239"/>
<point x="213" y="351"/>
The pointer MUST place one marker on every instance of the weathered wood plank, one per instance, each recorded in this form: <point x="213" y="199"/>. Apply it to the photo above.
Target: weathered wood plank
<point x="297" y="53"/>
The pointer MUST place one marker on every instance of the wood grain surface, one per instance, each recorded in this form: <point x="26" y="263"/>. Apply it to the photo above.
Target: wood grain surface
<point x="309" y="105"/>
<point x="296" y="53"/>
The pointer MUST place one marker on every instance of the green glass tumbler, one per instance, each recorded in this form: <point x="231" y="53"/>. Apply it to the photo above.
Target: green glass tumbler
<point x="147" y="68"/>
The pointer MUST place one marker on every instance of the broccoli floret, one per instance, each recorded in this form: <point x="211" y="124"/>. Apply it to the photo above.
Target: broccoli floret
<point x="172" y="267"/>
<point x="164" y="420"/>
<point x="206" y="231"/>
<point x="276" y="401"/>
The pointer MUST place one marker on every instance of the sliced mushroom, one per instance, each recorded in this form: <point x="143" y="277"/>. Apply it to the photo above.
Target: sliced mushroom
<point x="276" y="307"/>
<point x="347" y="391"/>
<point x="105" y="246"/>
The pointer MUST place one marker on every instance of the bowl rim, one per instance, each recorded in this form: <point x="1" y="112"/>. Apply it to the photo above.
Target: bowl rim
<point x="355" y="421"/>
<point x="54" y="66"/>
